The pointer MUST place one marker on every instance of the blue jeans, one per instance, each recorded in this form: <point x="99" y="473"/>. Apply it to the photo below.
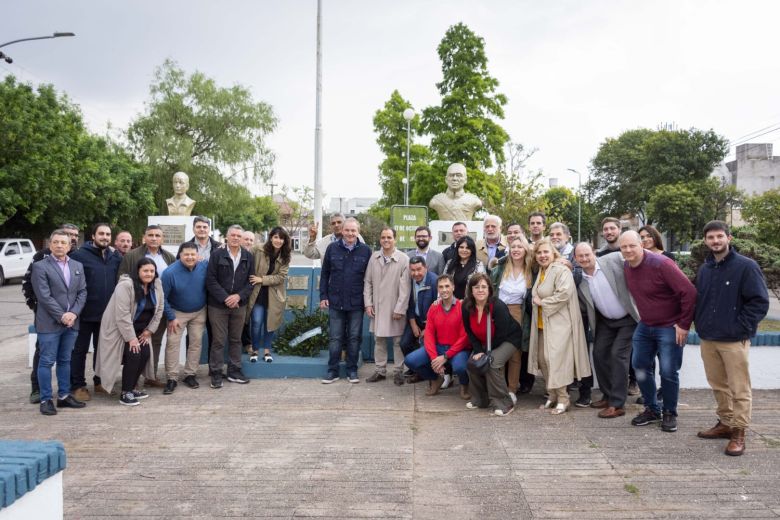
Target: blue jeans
<point x="337" y="321"/>
<point x="259" y="328"/>
<point x="56" y="347"/>
<point x="650" y="342"/>
<point x="419" y="362"/>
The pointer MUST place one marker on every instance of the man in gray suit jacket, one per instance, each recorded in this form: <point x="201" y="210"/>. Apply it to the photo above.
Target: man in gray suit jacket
<point x="434" y="260"/>
<point x="61" y="290"/>
<point x="612" y="317"/>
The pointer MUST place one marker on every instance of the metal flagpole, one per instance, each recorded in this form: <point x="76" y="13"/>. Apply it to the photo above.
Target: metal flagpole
<point x="318" y="129"/>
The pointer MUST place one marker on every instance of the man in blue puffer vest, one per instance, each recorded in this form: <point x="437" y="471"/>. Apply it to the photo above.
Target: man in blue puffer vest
<point x="341" y="293"/>
<point x="732" y="300"/>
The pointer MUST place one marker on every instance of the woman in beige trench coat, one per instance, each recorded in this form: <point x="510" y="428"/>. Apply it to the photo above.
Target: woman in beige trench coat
<point x="558" y="346"/>
<point x="269" y="296"/>
<point x="131" y="317"/>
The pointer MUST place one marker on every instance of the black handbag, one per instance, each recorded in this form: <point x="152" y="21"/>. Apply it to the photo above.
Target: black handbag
<point x="481" y="365"/>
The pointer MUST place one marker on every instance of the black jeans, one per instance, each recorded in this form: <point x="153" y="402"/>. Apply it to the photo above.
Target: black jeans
<point x="34" y="374"/>
<point x="78" y="360"/>
<point x="133" y="364"/>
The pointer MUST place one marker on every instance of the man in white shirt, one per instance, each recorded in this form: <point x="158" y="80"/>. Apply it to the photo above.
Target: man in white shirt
<point x="612" y="317"/>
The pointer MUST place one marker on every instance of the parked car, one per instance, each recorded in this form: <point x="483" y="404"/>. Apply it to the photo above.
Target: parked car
<point x="16" y="254"/>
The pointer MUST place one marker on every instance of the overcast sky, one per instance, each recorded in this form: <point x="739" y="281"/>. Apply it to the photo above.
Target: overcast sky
<point x="575" y="72"/>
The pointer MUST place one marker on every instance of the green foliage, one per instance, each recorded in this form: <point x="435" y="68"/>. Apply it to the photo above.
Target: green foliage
<point x="52" y="170"/>
<point x="763" y="212"/>
<point x="390" y="127"/>
<point x="685" y="207"/>
<point x="766" y="256"/>
<point x="560" y="204"/>
<point x="518" y="199"/>
<point x="301" y="323"/>
<point x="256" y="214"/>
<point x="371" y="224"/>
<point x="214" y="134"/>
<point x="462" y="127"/>
<point x="626" y="169"/>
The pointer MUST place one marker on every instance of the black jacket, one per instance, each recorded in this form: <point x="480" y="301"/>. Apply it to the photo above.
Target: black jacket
<point x="27" y="290"/>
<point x="732" y="298"/>
<point x="222" y="281"/>
<point x="507" y="329"/>
<point x="101" y="276"/>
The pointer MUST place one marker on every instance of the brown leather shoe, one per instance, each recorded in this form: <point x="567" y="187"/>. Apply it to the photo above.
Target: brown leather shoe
<point x="154" y="383"/>
<point x="601" y="403"/>
<point x="102" y="391"/>
<point x="736" y="446"/>
<point x="82" y="394"/>
<point x="719" y="431"/>
<point x="464" y="392"/>
<point x="435" y="386"/>
<point x="611" y="412"/>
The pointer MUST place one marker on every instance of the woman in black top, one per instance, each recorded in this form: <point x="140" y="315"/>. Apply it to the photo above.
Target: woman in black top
<point x="651" y="240"/>
<point x="505" y="338"/>
<point x="464" y="265"/>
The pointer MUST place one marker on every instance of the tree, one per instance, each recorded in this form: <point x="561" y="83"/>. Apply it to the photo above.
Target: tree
<point x="763" y="213"/>
<point x="298" y="212"/>
<point x="625" y="170"/>
<point x="463" y="127"/>
<point x="390" y="127"/>
<point x="215" y="134"/>
<point x="256" y="214"/>
<point x="52" y="170"/>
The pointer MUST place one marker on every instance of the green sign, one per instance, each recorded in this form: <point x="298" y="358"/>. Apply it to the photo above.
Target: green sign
<point x="405" y="219"/>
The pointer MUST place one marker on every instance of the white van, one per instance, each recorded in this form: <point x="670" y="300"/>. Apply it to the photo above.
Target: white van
<point x="16" y="254"/>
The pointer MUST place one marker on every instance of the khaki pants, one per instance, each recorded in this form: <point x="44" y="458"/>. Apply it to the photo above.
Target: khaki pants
<point x="380" y="354"/>
<point x="728" y="373"/>
<point x="193" y="323"/>
<point x="556" y="395"/>
<point x="513" y="363"/>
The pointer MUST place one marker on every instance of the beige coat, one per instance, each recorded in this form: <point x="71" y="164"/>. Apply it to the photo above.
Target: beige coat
<point x="564" y="335"/>
<point x="386" y="288"/>
<point x="116" y="329"/>
<point x="277" y="288"/>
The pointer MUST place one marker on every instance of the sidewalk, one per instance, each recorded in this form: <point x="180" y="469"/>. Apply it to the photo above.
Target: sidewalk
<point x="297" y="448"/>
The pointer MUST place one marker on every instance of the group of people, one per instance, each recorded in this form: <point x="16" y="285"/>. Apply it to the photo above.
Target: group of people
<point x="495" y="313"/>
<point x="502" y="310"/>
<point x="123" y="300"/>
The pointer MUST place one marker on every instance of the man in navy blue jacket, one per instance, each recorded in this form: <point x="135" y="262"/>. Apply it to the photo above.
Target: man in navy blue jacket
<point x="341" y="293"/>
<point x="732" y="300"/>
<point x="101" y="265"/>
<point x="422" y="295"/>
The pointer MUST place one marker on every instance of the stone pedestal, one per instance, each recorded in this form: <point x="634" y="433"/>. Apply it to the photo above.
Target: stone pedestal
<point x="442" y="232"/>
<point x="176" y="229"/>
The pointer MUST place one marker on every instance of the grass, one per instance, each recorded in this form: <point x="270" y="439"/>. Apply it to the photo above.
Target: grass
<point x="769" y="326"/>
<point x="593" y="445"/>
<point x="631" y="489"/>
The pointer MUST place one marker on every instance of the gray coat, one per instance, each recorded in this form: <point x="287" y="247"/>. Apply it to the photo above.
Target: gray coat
<point x="612" y="267"/>
<point x="434" y="261"/>
<point x="117" y="329"/>
<point x="54" y="297"/>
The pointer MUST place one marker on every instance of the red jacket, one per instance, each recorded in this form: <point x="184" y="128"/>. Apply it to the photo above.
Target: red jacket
<point x="445" y="328"/>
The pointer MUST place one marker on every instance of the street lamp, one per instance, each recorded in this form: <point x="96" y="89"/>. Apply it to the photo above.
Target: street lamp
<point x="55" y="35"/>
<point x="579" y="201"/>
<point x="408" y="115"/>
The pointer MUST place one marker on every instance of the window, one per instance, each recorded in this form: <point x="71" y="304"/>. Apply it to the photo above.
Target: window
<point x="26" y="246"/>
<point x="13" y="249"/>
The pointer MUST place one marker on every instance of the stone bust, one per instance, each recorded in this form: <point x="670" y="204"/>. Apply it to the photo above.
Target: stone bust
<point x="455" y="204"/>
<point x="180" y="203"/>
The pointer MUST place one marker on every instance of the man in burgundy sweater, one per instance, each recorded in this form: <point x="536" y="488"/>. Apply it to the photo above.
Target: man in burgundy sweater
<point x="445" y="342"/>
<point x="666" y="301"/>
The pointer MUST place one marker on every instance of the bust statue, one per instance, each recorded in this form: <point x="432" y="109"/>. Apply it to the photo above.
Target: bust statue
<point x="180" y="203"/>
<point x="455" y="204"/>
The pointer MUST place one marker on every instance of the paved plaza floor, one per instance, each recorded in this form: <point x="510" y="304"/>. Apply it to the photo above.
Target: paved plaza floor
<point x="300" y="449"/>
